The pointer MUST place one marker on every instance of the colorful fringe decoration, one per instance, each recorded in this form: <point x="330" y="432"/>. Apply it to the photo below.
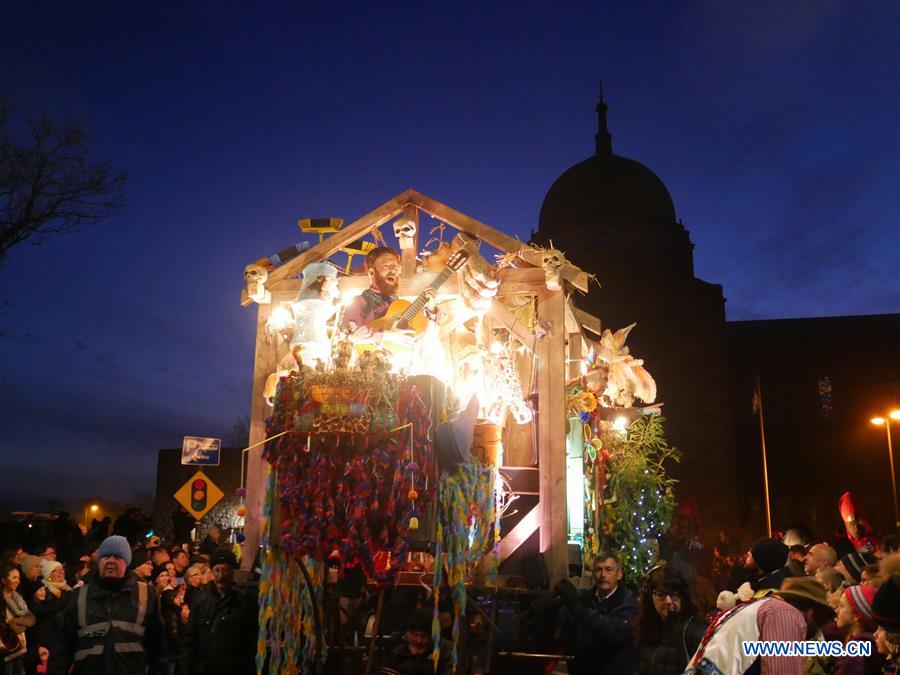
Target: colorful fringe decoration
<point x="355" y="493"/>
<point x="467" y="529"/>
<point x="287" y="613"/>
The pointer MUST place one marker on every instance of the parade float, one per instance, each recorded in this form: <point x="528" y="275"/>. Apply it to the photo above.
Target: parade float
<point x="398" y="461"/>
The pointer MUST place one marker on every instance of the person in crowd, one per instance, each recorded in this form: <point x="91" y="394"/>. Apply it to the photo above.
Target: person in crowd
<point x="17" y="616"/>
<point x="31" y="575"/>
<point x="833" y="581"/>
<point x="12" y="556"/>
<point x="796" y="560"/>
<point x="220" y="636"/>
<point x="181" y="560"/>
<point x="820" y="557"/>
<point x="856" y="535"/>
<point x="870" y="575"/>
<point x="598" y="623"/>
<point x="669" y="628"/>
<point x="195" y="575"/>
<point x="182" y="526"/>
<point x="141" y="565"/>
<point x="212" y="541"/>
<point x="890" y="543"/>
<point x="46" y="552"/>
<point x="886" y="612"/>
<point x="854" y="614"/>
<point x="768" y="559"/>
<point x="794" y="613"/>
<point x="414" y="655"/>
<point x="852" y="564"/>
<point x="112" y="624"/>
<point x="175" y="613"/>
<point x="159" y="556"/>
<point x="78" y="570"/>
<point x="48" y="604"/>
<point x="161" y="578"/>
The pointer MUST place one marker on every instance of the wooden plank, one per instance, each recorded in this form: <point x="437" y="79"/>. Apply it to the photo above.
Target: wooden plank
<point x="408" y="255"/>
<point x="343" y="237"/>
<point x="509" y="322"/>
<point x="573" y="349"/>
<point x="520" y="533"/>
<point x="588" y="321"/>
<point x="257" y="468"/>
<point x="497" y="239"/>
<point x="552" y="435"/>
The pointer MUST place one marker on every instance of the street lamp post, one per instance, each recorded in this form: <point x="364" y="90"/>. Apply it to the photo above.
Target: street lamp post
<point x="886" y="422"/>
<point x="93" y="508"/>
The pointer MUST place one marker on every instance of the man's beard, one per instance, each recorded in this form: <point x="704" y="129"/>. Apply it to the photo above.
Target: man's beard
<point x="383" y="285"/>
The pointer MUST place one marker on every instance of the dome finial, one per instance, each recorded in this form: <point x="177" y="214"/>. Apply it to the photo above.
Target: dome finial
<point x="602" y="139"/>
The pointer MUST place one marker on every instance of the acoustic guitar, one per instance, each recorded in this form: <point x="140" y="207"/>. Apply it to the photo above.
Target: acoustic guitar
<point x="403" y="315"/>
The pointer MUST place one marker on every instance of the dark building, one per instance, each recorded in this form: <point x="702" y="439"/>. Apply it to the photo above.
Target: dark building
<point x="613" y="216"/>
<point x="822" y="380"/>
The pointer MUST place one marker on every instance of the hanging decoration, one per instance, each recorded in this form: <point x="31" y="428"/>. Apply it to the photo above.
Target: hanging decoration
<point x="503" y="375"/>
<point x="468" y="529"/>
<point x="356" y="470"/>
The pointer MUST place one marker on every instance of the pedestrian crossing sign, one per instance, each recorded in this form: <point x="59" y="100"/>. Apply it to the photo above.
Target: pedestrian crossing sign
<point x="199" y="495"/>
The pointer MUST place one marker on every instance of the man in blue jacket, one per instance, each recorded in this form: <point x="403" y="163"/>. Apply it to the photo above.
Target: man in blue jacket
<point x="599" y="623"/>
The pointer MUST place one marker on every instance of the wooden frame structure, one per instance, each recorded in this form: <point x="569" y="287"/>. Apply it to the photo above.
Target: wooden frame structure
<point x="557" y="353"/>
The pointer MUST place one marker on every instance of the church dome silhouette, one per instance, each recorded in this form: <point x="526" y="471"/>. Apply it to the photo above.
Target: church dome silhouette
<point x="605" y="191"/>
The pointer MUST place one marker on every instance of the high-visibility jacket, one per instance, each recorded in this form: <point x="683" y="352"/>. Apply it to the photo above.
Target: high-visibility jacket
<point x="113" y="632"/>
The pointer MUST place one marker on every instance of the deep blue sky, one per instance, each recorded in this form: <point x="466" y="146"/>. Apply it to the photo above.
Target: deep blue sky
<point x="775" y="126"/>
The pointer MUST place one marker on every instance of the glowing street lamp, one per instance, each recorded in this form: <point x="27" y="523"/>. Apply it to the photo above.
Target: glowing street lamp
<point x="92" y="508"/>
<point x="886" y="422"/>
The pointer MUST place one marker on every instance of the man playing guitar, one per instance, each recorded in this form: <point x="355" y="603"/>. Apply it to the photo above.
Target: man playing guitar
<point x="383" y="267"/>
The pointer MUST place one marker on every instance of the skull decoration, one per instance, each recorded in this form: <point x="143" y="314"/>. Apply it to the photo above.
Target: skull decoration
<point x="405" y="231"/>
<point x="255" y="275"/>
<point x="552" y="260"/>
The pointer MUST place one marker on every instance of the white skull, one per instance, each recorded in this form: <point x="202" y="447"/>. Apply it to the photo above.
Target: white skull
<point x="405" y="231"/>
<point x="255" y="274"/>
<point x="552" y="261"/>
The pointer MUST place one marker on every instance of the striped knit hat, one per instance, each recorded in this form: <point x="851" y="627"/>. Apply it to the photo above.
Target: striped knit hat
<point x="854" y="563"/>
<point x="860" y="598"/>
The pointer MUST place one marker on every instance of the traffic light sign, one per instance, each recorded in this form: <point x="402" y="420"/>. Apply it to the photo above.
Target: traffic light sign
<point x="199" y="495"/>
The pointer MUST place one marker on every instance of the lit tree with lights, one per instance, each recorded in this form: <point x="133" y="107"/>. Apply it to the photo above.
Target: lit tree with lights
<point x="644" y="495"/>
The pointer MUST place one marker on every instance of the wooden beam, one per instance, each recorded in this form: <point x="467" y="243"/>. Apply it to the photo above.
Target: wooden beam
<point x="408" y="255"/>
<point x="497" y="239"/>
<point x="589" y="321"/>
<point x="552" y="434"/>
<point x="265" y="361"/>
<point x="510" y="323"/>
<point x="347" y="235"/>
<point x="520" y="533"/>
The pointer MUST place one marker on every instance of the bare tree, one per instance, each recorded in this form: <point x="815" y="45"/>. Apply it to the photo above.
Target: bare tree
<point x="48" y="185"/>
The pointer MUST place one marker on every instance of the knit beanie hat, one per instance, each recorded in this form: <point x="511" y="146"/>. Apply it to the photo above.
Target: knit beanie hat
<point x="420" y="621"/>
<point x="860" y="598"/>
<point x="47" y="567"/>
<point x="770" y="554"/>
<point x="222" y="556"/>
<point x="854" y="563"/>
<point x="139" y="557"/>
<point x="886" y="605"/>
<point x="116" y="545"/>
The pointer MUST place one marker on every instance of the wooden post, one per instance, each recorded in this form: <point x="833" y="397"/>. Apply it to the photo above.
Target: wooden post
<point x="264" y="363"/>
<point x="408" y="255"/>
<point x="551" y="378"/>
<point x="574" y="355"/>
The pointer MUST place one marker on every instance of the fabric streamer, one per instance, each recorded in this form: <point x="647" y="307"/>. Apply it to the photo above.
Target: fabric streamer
<point x="467" y="529"/>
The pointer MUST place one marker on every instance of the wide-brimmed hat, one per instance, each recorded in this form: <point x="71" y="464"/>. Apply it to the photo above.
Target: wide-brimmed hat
<point x="805" y="588"/>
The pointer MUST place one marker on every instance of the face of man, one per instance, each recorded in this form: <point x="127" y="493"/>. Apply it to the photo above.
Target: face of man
<point x="223" y="576"/>
<point x="385" y="273"/>
<point x="817" y="559"/>
<point x="181" y="561"/>
<point x="418" y="642"/>
<point x="20" y="553"/>
<point x="112" y="567"/>
<point x="160" y="556"/>
<point x="667" y="603"/>
<point x="49" y="553"/>
<point x="143" y="570"/>
<point x="607" y="575"/>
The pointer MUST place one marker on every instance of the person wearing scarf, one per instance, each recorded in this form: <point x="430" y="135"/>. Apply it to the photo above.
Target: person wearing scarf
<point x="16" y="614"/>
<point x="48" y="604"/>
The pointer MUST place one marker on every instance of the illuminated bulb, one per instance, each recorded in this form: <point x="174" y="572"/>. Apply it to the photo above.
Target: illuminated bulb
<point x="877" y="420"/>
<point x="583" y="368"/>
<point x="620" y="423"/>
<point x="894" y="414"/>
<point x="280" y="318"/>
<point x="347" y="298"/>
<point x="497" y="348"/>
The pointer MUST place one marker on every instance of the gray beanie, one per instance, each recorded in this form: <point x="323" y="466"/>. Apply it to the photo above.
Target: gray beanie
<point x="116" y="545"/>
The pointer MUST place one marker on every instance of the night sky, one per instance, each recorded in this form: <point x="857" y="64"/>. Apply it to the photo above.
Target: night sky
<point x="775" y="126"/>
